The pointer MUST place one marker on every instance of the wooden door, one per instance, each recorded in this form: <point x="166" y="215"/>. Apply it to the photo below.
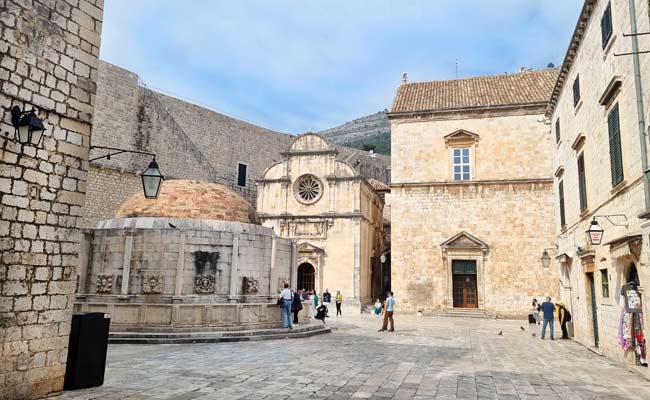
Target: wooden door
<point x="594" y="307"/>
<point x="465" y="290"/>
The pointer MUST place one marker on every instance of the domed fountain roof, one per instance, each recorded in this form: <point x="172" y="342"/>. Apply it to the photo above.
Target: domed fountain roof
<point x="191" y="199"/>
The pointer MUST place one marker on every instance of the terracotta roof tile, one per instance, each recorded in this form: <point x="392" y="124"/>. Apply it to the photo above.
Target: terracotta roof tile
<point x="377" y="185"/>
<point x="486" y="91"/>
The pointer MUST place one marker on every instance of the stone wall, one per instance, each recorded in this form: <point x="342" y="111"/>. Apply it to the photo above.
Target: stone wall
<point x="508" y="217"/>
<point x="159" y="249"/>
<point x="584" y="129"/>
<point x="48" y="59"/>
<point x="111" y="187"/>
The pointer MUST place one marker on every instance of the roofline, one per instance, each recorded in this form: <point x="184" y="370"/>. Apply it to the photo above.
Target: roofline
<point x="500" y="107"/>
<point x="572" y="50"/>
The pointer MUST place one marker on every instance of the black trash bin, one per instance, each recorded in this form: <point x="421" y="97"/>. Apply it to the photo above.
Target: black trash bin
<point x="87" y="350"/>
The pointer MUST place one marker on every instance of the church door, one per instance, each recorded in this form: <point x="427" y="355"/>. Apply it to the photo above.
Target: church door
<point x="306" y="277"/>
<point x="464" y="281"/>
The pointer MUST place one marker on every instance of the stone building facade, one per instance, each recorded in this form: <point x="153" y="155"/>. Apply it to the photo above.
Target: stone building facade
<point x="333" y="214"/>
<point x="471" y="194"/>
<point x="48" y="60"/>
<point x="191" y="142"/>
<point x="599" y="171"/>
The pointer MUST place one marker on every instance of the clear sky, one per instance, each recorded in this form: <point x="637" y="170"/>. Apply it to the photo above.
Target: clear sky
<point x="294" y="65"/>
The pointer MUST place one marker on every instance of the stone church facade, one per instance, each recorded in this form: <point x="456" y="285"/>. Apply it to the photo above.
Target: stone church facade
<point x="333" y="214"/>
<point x="472" y="194"/>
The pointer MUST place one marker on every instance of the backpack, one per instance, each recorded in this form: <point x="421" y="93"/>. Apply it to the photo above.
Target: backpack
<point x="567" y="315"/>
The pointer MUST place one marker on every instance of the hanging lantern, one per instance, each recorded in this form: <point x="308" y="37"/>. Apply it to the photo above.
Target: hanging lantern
<point x="546" y="259"/>
<point x="594" y="233"/>
<point x="29" y="128"/>
<point x="152" y="180"/>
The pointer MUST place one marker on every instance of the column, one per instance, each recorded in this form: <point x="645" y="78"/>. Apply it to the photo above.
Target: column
<point x="180" y="266"/>
<point x="273" y="279"/>
<point x="84" y="257"/>
<point x="294" y="266"/>
<point x="126" y="263"/>
<point x="234" y="266"/>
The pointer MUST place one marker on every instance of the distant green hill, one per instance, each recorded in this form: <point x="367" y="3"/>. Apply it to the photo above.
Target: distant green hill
<point x="363" y="133"/>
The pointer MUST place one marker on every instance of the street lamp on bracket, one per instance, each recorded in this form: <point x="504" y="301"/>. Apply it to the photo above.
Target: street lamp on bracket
<point x="595" y="232"/>
<point x="29" y="129"/>
<point x="152" y="178"/>
<point x="546" y="258"/>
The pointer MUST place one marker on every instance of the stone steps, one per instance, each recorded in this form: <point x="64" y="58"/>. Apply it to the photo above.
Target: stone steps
<point x="217" y="337"/>
<point x="465" y="313"/>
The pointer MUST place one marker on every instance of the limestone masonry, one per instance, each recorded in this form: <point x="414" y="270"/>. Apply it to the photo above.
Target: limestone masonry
<point x="48" y="59"/>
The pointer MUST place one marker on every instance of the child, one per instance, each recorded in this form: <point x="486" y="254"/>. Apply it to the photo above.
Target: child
<point x="378" y="307"/>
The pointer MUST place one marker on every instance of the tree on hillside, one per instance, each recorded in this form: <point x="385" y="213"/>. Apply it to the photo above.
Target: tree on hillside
<point x="368" y="147"/>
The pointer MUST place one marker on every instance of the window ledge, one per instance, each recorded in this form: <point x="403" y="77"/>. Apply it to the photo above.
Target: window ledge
<point x="577" y="107"/>
<point x="620" y="186"/>
<point x="608" y="46"/>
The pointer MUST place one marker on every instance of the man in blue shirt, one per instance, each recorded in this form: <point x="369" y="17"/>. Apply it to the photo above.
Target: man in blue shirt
<point x="388" y="314"/>
<point x="548" y="308"/>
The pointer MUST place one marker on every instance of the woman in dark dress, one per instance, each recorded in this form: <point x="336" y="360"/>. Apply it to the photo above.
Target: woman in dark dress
<point x="296" y="306"/>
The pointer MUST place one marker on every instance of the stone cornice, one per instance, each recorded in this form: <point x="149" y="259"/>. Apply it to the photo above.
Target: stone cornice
<point x="471" y="112"/>
<point x="572" y="51"/>
<point x="472" y="183"/>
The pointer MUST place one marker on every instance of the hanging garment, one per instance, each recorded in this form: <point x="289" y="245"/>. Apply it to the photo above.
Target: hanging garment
<point x="625" y="330"/>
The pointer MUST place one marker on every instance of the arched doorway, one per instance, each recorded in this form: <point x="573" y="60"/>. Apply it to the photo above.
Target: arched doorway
<point x="306" y="276"/>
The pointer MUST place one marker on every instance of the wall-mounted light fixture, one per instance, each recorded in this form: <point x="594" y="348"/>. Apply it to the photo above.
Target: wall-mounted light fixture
<point x="151" y="177"/>
<point x="595" y="231"/>
<point x="546" y="258"/>
<point x="29" y="129"/>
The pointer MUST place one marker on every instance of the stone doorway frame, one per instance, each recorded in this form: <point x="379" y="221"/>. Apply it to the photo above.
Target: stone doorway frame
<point x="310" y="254"/>
<point x="465" y="246"/>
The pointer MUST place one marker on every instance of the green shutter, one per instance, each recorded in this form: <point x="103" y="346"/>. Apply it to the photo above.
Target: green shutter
<point x="558" y="136"/>
<point x="582" y="183"/>
<point x="615" y="153"/>
<point x="561" y="192"/>
<point x="606" y="25"/>
<point x="576" y="90"/>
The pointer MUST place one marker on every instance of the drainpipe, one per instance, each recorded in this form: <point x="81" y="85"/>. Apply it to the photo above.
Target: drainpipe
<point x="640" y="111"/>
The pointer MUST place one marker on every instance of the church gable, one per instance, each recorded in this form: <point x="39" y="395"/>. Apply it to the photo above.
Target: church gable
<point x="464" y="240"/>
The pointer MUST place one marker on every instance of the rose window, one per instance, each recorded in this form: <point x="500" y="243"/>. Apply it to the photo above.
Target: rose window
<point x="308" y="189"/>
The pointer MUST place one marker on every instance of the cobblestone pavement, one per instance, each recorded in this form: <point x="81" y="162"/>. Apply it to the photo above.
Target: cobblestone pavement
<point x="427" y="358"/>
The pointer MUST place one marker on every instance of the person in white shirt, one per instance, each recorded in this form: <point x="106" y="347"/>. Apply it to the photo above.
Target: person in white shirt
<point x="286" y="296"/>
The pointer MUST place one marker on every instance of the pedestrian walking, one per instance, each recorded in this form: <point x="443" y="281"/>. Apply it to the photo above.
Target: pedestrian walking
<point x="547" y="310"/>
<point x="563" y="316"/>
<point x="327" y="298"/>
<point x="535" y="311"/>
<point x="305" y="294"/>
<point x="286" y="297"/>
<point x="378" y="307"/>
<point x="339" y="300"/>
<point x="296" y="306"/>
<point x="388" y="313"/>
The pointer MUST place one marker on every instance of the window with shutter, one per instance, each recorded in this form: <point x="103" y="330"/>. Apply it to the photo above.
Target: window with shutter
<point x="615" y="153"/>
<point x="582" y="182"/>
<point x="562" y="216"/>
<point x="558" y="136"/>
<point x="576" y="90"/>
<point x="606" y="28"/>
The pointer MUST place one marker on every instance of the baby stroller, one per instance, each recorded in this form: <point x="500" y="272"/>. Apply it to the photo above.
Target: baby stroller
<point x="321" y="312"/>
